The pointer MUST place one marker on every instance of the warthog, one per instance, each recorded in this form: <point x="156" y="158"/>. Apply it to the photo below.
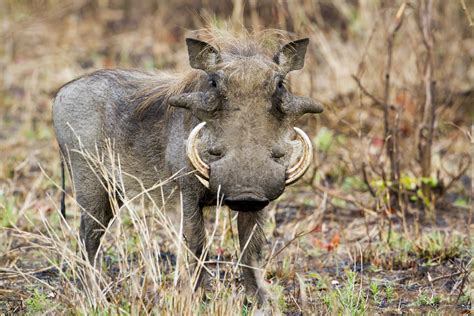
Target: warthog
<point x="230" y="119"/>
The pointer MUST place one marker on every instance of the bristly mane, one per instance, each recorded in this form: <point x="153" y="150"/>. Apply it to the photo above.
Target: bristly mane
<point x="158" y="88"/>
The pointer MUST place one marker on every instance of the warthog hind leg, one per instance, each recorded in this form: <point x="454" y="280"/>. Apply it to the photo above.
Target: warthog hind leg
<point x="95" y="216"/>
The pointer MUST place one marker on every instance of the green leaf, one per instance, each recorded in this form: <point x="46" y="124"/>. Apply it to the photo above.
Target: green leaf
<point x="353" y="183"/>
<point x="461" y="202"/>
<point x="324" y="139"/>
<point x="339" y="203"/>
<point x="431" y="181"/>
<point x="408" y="183"/>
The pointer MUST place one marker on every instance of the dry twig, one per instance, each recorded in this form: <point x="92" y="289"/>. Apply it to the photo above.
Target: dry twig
<point x="337" y="195"/>
<point x="425" y="133"/>
<point x="390" y="127"/>
<point x="468" y="15"/>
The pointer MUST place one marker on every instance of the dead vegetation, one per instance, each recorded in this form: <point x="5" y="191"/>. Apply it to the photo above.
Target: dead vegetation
<point x="381" y="224"/>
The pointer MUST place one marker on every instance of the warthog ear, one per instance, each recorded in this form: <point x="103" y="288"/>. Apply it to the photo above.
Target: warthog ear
<point x="291" y="56"/>
<point x="201" y="54"/>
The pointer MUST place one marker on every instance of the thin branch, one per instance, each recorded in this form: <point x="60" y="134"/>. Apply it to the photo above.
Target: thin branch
<point x="366" y="92"/>
<point x="345" y="198"/>
<point x="444" y="276"/>
<point x="458" y="176"/>
<point x="366" y="180"/>
<point x="297" y="236"/>
<point x="390" y="128"/>
<point x="466" y="272"/>
<point x="427" y="125"/>
<point x="360" y="67"/>
<point x="464" y="7"/>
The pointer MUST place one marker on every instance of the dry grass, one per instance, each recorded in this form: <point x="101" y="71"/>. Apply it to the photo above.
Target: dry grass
<point x="145" y="264"/>
<point x="333" y="246"/>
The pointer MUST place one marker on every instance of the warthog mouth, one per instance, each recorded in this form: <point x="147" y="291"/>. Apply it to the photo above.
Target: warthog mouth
<point x="293" y="173"/>
<point x="246" y="202"/>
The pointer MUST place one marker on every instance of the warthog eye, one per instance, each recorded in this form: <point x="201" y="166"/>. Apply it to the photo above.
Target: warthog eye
<point x="213" y="83"/>
<point x="280" y="84"/>
<point x="213" y="80"/>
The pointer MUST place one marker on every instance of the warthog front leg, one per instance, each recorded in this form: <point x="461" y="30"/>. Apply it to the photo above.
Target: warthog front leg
<point x="195" y="235"/>
<point x="250" y="226"/>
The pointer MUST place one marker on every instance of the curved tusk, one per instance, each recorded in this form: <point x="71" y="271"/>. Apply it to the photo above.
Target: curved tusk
<point x="203" y="181"/>
<point x="297" y="170"/>
<point x="193" y="156"/>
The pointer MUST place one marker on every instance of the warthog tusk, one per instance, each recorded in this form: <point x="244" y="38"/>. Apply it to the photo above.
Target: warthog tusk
<point x="292" y="174"/>
<point x="193" y="156"/>
<point x="204" y="182"/>
<point x="297" y="170"/>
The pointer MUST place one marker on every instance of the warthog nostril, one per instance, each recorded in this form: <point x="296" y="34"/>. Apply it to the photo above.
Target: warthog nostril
<point x="246" y="203"/>
<point x="215" y="151"/>
<point x="278" y="152"/>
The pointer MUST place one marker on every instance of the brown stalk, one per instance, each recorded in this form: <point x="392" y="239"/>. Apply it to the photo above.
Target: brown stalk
<point x="364" y="90"/>
<point x="462" y="169"/>
<point x="337" y="195"/>
<point x="426" y="130"/>
<point x="366" y="180"/>
<point x="390" y="125"/>
<point x="465" y="276"/>
<point x="468" y="15"/>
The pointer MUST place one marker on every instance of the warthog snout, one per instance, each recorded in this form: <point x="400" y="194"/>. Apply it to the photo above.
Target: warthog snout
<point x="238" y="159"/>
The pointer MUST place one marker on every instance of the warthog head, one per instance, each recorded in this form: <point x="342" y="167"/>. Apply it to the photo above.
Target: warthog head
<point x="246" y="146"/>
